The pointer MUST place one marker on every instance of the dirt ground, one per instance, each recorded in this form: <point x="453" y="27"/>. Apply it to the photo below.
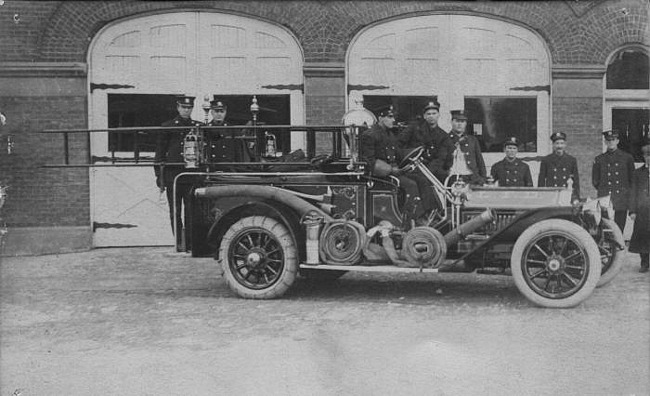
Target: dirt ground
<point x="149" y="321"/>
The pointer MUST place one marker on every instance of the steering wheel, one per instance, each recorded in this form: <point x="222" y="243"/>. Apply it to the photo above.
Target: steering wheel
<point x="413" y="155"/>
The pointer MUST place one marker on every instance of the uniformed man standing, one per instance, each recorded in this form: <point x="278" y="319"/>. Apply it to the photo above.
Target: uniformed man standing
<point x="380" y="149"/>
<point x="611" y="174"/>
<point x="468" y="161"/>
<point x="557" y="168"/>
<point x="511" y="171"/>
<point x="640" y="209"/>
<point x="224" y="146"/>
<point x="169" y="150"/>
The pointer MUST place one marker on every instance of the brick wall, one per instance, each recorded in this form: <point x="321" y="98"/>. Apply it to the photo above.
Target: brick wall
<point x="39" y="196"/>
<point x="576" y="32"/>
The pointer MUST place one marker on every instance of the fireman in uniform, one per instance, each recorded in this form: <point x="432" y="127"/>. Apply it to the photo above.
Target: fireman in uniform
<point x="169" y="149"/>
<point x="466" y="149"/>
<point x="437" y="154"/>
<point x="511" y="171"/>
<point x="223" y="145"/>
<point x="640" y="208"/>
<point x="380" y="149"/>
<point x="611" y="174"/>
<point x="557" y="168"/>
<point x="435" y="140"/>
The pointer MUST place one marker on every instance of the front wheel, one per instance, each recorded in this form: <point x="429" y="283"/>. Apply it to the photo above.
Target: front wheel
<point x="259" y="258"/>
<point x="555" y="264"/>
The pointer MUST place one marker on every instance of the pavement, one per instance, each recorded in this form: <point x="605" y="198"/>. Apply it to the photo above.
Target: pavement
<point x="150" y="321"/>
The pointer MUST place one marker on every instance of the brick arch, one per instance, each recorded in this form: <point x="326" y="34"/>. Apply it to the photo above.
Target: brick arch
<point x="574" y="33"/>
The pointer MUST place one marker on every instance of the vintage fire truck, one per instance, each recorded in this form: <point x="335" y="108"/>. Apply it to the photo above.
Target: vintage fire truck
<point x="317" y="213"/>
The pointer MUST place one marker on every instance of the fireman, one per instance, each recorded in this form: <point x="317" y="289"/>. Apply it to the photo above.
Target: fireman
<point x="170" y="161"/>
<point x="380" y="148"/>
<point x="511" y="171"/>
<point x="468" y="164"/>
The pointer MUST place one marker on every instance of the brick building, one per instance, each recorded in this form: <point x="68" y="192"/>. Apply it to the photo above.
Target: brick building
<point x="524" y="68"/>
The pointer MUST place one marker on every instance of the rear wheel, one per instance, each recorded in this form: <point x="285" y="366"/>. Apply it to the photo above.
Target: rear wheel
<point x="556" y="264"/>
<point x="259" y="258"/>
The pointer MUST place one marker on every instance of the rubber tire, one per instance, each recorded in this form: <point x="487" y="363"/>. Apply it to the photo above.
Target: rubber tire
<point x="563" y="227"/>
<point x="609" y="273"/>
<point x="324" y="276"/>
<point x="289" y="250"/>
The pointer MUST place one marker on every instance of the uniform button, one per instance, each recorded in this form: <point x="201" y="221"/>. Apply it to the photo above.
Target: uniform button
<point x="564" y="169"/>
<point x="609" y="174"/>
<point x="554" y="177"/>
<point x="507" y="180"/>
<point x="617" y="191"/>
<point x="609" y="182"/>
<point x="617" y="173"/>
<point x="514" y="180"/>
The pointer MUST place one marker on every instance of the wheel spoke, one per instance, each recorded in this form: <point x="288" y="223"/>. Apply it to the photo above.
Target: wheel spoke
<point x="575" y="267"/>
<point x="548" y="281"/>
<point x="250" y="240"/>
<point x="541" y="250"/>
<point x="572" y="256"/>
<point x="538" y="273"/>
<point x="539" y="262"/>
<point x="571" y="280"/>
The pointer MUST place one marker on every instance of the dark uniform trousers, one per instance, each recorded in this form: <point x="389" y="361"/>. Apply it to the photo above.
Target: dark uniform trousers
<point x="378" y="143"/>
<point x="437" y="157"/>
<point x="471" y="150"/>
<point x="515" y="173"/>
<point x="555" y="171"/>
<point x="640" y="206"/>
<point x="612" y="175"/>
<point x="169" y="149"/>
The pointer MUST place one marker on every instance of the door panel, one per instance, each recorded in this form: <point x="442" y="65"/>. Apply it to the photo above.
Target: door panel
<point x="192" y="53"/>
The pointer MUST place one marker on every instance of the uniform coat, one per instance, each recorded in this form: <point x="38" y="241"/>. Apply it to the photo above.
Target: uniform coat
<point x="471" y="149"/>
<point x="439" y="149"/>
<point x="515" y="173"/>
<point x="640" y="205"/>
<point x="555" y="170"/>
<point x="612" y="175"/>
<point x="169" y="149"/>
<point x="379" y="143"/>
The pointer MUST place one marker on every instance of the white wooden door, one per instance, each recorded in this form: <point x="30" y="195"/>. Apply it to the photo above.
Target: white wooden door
<point x="453" y="56"/>
<point x="192" y="53"/>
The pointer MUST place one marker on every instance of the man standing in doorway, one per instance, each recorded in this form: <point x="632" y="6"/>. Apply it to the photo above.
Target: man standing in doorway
<point x="468" y="161"/>
<point x="557" y="168"/>
<point x="611" y="174"/>
<point x="169" y="150"/>
<point x="640" y="208"/>
<point x="511" y="171"/>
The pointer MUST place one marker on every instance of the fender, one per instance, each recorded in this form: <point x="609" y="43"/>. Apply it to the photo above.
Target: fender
<point x="520" y="223"/>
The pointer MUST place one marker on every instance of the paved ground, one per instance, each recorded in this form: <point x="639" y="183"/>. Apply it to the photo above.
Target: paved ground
<point x="150" y="322"/>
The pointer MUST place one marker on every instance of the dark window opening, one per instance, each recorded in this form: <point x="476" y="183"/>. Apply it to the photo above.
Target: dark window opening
<point x="633" y="126"/>
<point x="494" y="119"/>
<point x="408" y="108"/>
<point x="136" y="110"/>
<point x="628" y="70"/>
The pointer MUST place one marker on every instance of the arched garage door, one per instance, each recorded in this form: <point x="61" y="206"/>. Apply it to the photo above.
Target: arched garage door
<point x="496" y="70"/>
<point x="193" y="53"/>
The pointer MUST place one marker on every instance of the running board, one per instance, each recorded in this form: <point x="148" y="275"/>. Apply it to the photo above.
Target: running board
<point x="366" y="268"/>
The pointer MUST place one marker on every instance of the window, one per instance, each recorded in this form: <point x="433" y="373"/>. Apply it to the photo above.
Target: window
<point x="135" y="110"/>
<point x="408" y="108"/>
<point x="632" y="125"/>
<point x="628" y="70"/>
<point x="494" y="119"/>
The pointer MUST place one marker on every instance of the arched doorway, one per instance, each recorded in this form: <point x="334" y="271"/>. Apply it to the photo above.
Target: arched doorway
<point x="498" y="71"/>
<point x="137" y="65"/>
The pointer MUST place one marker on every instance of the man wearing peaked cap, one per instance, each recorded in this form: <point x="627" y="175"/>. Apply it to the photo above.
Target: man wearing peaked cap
<point x="611" y="174"/>
<point x="169" y="149"/>
<point x="557" y="168"/>
<point x="379" y="147"/>
<point x="640" y="208"/>
<point x="511" y="171"/>
<point x="467" y="154"/>
<point x="425" y="132"/>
